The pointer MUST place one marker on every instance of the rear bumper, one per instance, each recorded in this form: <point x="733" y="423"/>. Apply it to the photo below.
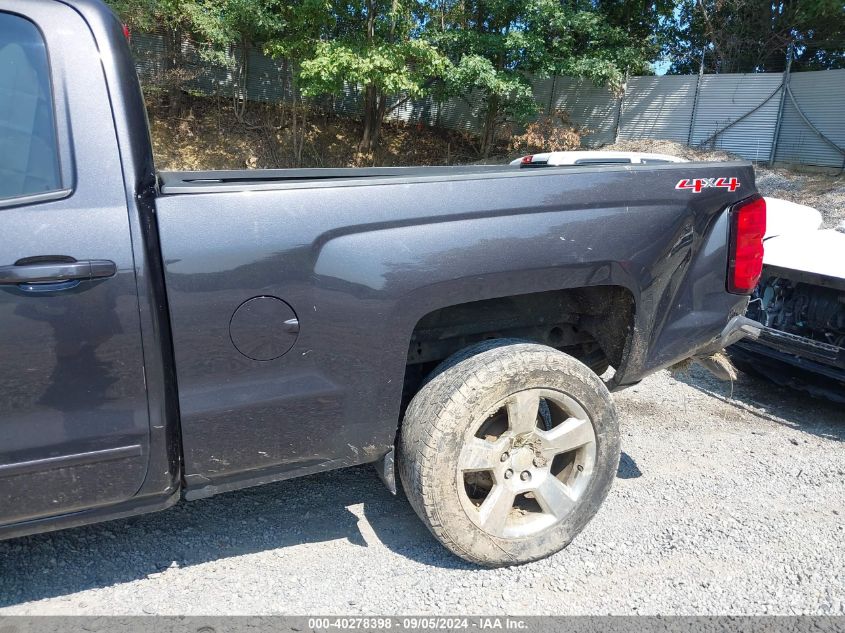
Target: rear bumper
<point x="737" y="329"/>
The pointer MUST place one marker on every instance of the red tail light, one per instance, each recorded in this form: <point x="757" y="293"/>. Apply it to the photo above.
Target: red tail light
<point x="526" y="160"/>
<point x="126" y="33"/>
<point x="748" y="226"/>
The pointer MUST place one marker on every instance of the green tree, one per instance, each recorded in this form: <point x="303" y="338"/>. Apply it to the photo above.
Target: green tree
<point x="369" y="45"/>
<point x="495" y="44"/>
<point x="649" y="24"/>
<point x="223" y="30"/>
<point x="137" y="14"/>
<point x="746" y="36"/>
<point x="168" y="17"/>
<point x="645" y="20"/>
<point x="298" y="28"/>
<point x="226" y="31"/>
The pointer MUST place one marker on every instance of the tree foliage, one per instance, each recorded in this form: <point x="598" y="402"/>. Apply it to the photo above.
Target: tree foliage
<point x="495" y="44"/>
<point x="371" y="45"/>
<point x="389" y="51"/>
<point x="393" y="50"/>
<point x="746" y="36"/>
<point x="226" y="30"/>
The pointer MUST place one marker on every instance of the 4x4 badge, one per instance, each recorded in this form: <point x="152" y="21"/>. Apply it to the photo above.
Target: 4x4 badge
<point x="697" y="184"/>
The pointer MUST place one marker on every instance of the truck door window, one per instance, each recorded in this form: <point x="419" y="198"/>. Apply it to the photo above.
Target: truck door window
<point x="29" y="158"/>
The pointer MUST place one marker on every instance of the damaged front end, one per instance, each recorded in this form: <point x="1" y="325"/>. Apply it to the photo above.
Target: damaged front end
<point x="802" y="341"/>
<point x="800" y="304"/>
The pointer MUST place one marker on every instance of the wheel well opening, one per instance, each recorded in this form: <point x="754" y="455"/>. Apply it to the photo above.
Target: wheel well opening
<point x="592" y="324"/>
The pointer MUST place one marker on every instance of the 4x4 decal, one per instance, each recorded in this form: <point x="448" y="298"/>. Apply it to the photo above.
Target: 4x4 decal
<point x="697" y="184"/>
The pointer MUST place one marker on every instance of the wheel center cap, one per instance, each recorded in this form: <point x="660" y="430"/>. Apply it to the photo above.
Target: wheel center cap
<point x="522" y="459"/>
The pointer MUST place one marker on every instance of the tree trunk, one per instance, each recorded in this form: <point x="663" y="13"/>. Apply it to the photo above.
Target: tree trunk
<point x="488" y="138"/>
<point x="301" y="139"/>
<point x="173" y="65"/>
<point x="374" y="106"/>
<point x="297" y="122"/>
<point x="241" y="77"/>
<point x="293" y="132"/>
<point x="373" y="110"/>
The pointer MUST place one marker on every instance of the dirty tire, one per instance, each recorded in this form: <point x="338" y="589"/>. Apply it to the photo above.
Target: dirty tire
<point x="442" y="419"/>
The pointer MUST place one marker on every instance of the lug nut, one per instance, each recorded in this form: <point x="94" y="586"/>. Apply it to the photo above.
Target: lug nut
<point x="508" y="473"/>
<point x="505" y="456"/>
<point x="525" y="475"/>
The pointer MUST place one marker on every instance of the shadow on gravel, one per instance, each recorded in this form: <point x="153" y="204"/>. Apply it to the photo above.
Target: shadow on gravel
<point x="311" y="509"/>
<point x="628" y="468"/>
<point x="788" y="407"/>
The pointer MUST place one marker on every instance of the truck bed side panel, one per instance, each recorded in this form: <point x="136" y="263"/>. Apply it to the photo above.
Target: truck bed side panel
<point x="360" y="263"/>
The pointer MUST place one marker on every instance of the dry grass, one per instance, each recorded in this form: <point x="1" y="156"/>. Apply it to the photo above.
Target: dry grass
<point x="549" y="133"/>
<point x="207" y="135"/>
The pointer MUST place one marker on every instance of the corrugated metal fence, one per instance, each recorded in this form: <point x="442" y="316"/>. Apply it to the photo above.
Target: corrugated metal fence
<point x="742" y="113"/>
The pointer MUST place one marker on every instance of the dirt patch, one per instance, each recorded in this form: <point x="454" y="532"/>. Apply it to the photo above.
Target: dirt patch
<point x="207" y="135"/>
<point x="820" y="191"/>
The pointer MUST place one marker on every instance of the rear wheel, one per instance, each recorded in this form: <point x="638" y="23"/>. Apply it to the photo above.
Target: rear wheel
<point x="508" y="451"/>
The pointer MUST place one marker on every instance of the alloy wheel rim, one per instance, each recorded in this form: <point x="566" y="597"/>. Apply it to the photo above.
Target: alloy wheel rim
<point x="525" y="464"/>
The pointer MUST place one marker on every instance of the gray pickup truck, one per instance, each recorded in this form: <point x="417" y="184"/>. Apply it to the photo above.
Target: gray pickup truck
<point x="168" y="336"/>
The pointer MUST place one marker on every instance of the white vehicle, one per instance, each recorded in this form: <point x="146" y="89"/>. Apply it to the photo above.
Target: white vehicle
<point x="555" y="159"/>
<point x="801" y="302"/>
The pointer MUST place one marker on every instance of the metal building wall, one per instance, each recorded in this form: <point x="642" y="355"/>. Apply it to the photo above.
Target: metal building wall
<point x="723" y="99"/>
<point x="821" y="97"/>
<point x="461" y="113"/>
<point x="658" y="108"/>
<point x="269" y="79"/>
<point x="414" y="111"/>
<point x="148" y="51"/>
<point x="590" y="107"/>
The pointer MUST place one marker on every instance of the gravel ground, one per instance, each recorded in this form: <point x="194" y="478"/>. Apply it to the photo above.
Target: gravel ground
<point x="822" y="191"/>
<point x="724" y="503"/>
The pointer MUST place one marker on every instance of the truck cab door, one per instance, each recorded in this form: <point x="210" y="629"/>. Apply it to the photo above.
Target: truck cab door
<point x="74" y="425"/>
